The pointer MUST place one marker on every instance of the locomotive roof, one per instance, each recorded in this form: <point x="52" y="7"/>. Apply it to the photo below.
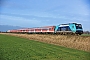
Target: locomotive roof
<point x="68" y="23"/>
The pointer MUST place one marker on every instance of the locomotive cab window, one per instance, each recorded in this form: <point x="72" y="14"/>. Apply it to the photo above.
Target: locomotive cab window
<point x="78" y="26"/>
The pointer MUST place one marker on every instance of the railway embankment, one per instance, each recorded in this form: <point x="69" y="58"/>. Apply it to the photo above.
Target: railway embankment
<point x="70" y="41"/>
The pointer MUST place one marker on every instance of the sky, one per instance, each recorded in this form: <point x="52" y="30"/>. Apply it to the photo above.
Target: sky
<point x="37" y="13"/>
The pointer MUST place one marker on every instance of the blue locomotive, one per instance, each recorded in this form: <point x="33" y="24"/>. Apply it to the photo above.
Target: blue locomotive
<point x="70" y="28"/>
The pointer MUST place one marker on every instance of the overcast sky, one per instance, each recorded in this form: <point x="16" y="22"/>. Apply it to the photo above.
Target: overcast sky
<point x="35" y="13"/>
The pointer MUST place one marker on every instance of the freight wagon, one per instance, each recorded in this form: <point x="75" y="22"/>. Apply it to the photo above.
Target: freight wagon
<point x="70" y="28"/>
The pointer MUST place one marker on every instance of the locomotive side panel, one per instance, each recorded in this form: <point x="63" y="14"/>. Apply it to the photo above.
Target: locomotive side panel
<point x="69" y="28"/>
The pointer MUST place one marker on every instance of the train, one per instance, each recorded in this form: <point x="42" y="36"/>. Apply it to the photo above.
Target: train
<point x="63" y="29"/>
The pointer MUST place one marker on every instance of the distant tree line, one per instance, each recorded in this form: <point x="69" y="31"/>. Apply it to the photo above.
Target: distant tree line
<point x="86" y="32"/>
<point x="2" y="32"/>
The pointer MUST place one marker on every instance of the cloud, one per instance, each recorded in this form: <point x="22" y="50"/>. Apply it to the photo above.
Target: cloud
<point x="13" y="4"/>
<point x="44" y="12"/>
<point x="18" y="20"/>
<point x="39" y="18"/>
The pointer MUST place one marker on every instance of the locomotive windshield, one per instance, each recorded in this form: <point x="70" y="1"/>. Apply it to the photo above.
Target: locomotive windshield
<point x="78" y="26"/>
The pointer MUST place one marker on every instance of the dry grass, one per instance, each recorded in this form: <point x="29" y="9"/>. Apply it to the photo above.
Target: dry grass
<point x="76" y="42"/>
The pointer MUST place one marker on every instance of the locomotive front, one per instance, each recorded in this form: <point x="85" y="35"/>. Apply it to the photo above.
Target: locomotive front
<point x="79" y="29"/>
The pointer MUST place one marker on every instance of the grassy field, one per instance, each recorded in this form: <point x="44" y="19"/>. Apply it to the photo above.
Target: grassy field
<point x="85" y="35"/>
<point x="70" y="41"/>
<point x="15" y="48"/>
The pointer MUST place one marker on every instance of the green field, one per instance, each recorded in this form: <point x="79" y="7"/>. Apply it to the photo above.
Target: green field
<point x="15" y="48"/>
<point x="85" y="35"/>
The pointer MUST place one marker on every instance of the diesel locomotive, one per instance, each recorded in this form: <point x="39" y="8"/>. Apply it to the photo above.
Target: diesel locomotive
<point x="70" y="28"/>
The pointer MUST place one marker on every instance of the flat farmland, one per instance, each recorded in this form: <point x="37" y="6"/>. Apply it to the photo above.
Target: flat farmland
<point x="81" y="42"/>
<point x="17" y="48"/>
